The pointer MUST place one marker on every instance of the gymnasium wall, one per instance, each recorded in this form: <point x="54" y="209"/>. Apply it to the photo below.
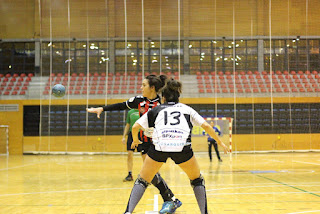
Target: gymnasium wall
<point x="112" y="143"/>
<point x="202" y="18"/>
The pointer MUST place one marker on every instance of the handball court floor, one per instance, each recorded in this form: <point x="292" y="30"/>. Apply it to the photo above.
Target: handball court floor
<point x="243" y="183"/>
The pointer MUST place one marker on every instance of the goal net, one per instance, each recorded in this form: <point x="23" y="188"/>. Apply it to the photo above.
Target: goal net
<point x="224" y="124"/>
<point x="4" y="140"/>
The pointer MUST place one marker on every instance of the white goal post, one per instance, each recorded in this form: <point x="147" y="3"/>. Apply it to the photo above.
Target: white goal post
<point x="4" y="140"/>
<point x="225" y="125"/>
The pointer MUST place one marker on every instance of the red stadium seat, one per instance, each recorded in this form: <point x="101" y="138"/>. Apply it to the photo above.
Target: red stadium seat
<point x="92" y="92"/>
<point x="263" y="90"/>
<point x="100" y="92"/>
<point x="116" y="92"/>
<point x="255" y="90"/>
<point x="309" y="90"/>
<point x="8" y="75"/>
<point x="11" y="84"/>
<point x="22" y="93"/>
<point x="248" y="90"/>
<point x="30" y="75"/>
<point x="278" y="90"/>
<point x="292" y="72"/>
<point x="14" y="93"/>
<point x="209" y="90"/>
<point x="300" y="72"/>
<point x="302" y="90"/>
<point x="76" y="92"/>
<point x="286" y="90"/>
<point x="46" y="92"/>
<point x="225" y="91"/>
<point x="201" y="91"/>
<point x="200" y="86"/>
<point x="240" y="90"/>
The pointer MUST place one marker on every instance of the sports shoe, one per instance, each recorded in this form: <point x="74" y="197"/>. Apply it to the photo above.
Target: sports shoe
<point x="170" y="207"/>
<point x="220" y="160"/>
<point x="128" y="178"/>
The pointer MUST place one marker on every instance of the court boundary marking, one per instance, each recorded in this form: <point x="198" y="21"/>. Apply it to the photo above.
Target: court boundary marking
<point x="311" y="193"/>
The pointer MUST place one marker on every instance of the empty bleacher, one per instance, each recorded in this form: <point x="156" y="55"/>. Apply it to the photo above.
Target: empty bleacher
<point x="14" y="84"/>
<point x="256" y="82"/>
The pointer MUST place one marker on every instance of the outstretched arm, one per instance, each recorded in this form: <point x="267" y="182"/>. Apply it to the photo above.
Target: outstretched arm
<point x="212" y="134"/>
<point x="113" y="107"/>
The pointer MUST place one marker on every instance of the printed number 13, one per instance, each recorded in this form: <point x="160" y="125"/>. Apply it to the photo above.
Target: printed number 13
<point x="175" y="115"/>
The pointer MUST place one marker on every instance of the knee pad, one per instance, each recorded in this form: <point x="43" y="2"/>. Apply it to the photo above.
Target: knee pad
<point x="142" y="182"/>
<point x="156" y="179"/>
<point x="197" y="182"/>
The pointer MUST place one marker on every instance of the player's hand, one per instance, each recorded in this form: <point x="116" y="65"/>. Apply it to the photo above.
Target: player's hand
<point x="123" y="140"/>
<point x="98" y="111"/>
<point x="135" y="144"/>
<point x="225" y="148"/>
<point x="148" y="132"/>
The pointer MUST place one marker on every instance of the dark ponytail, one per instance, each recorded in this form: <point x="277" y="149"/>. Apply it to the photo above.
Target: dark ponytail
<point x="157" y="81"/>
<point x="172" y="90"/>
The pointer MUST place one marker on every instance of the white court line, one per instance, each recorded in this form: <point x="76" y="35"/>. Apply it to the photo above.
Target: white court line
<point x="61" y="191"/>
<point x="307" y="162"/>
<point x="18" y="166"/>
<point x="256" y="193"/>
<point x="311" y="211"/>
<point x="246" y="187"/>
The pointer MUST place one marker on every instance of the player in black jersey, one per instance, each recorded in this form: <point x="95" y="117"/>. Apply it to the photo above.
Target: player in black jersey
<point x="150" y="87"/>
<point x="172" y="123"/>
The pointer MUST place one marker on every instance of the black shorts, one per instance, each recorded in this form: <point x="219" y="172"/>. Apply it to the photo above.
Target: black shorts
<point x="143" y="148"/>
<point x="212" y="142"/>
<point x="178" y="157"/>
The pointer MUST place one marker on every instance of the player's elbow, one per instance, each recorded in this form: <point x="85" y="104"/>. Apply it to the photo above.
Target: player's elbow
<point x="136" y="127"/>
<point x="205" y="126"/>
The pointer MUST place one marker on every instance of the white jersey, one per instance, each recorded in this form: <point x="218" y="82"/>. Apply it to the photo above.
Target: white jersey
<point x="172" y="124"/>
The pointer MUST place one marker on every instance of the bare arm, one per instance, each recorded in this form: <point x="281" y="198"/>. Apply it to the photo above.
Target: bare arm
<point x="206" y="126"/>
<point x="135" y="131"/>
<point x="113" y="107"/>
<point x="125" y="133"/>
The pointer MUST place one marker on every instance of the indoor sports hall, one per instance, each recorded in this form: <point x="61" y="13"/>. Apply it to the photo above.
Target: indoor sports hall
<point x="251" y="66"/>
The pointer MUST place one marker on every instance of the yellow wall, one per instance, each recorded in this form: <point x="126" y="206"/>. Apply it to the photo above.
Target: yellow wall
<point x="200" y="18"/>
<point x="18" y="143"/>
<point x="15" y="122"/>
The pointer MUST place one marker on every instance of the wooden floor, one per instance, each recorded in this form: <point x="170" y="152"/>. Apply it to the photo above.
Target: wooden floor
<point x="245" y="183"/>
